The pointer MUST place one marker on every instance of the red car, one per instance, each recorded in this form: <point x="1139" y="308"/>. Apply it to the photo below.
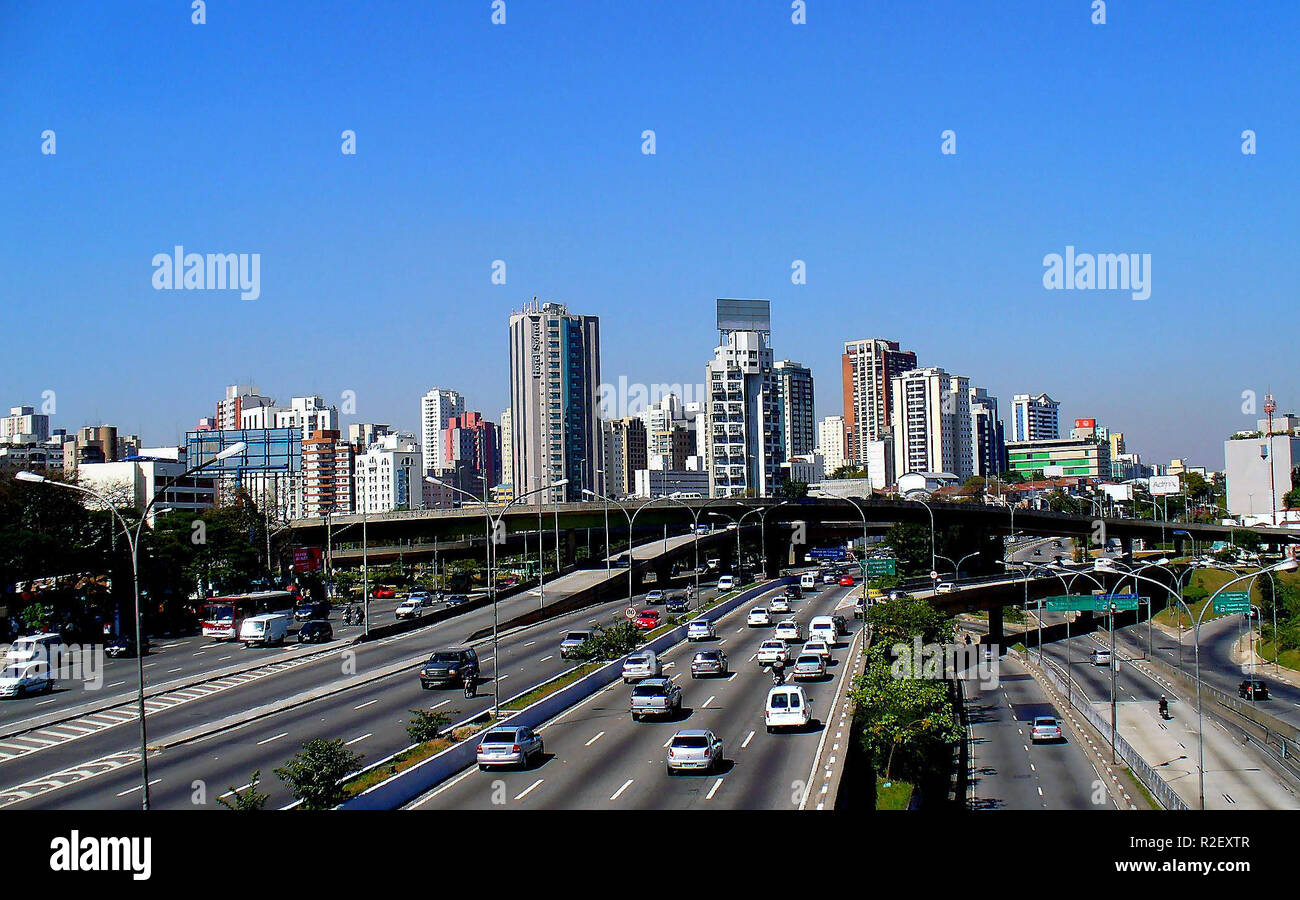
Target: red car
<point x="384" y="593"/>
<point x="647" y="619"/>
<point x="846" y="581"/>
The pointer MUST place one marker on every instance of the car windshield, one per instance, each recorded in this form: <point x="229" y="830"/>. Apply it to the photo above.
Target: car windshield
<point x="647" y="690"/>
<point x="499" y="737"/>
<point x="12" y="672"/>
<point x="578" y="636"/>
<point x="710" y="656"/>
<point x="692" y="741"/>
<point x="443" y="657"/>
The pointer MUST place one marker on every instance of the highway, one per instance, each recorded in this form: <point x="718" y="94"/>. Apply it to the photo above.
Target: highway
<point x="598" y="758"/>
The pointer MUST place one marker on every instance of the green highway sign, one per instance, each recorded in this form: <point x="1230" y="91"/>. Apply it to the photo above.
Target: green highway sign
<point x="877" y="567"/>
<point x="1069" y="603"/>
<point x="1232" y="602"/>
<point x="1122" y="603"/>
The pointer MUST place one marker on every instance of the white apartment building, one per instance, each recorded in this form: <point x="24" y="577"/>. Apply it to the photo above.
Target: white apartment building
<point x="507" y="446"/>
<point x="1035" y="418"/>
<point x="307" y="414"/>
<point x="239" y="397"/>
<point x="932" y="423"/>
<point x="24" y="421"/>
<point x="830" y="441"/>
<point x="389" y="475"/>
<point x="437" y="408"/>
<point x="133" y="484"/>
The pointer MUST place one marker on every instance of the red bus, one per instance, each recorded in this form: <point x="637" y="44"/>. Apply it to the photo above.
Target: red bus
<point x="222" y="616"/>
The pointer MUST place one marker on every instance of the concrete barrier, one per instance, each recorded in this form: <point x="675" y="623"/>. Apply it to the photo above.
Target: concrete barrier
<point x="423" y="777"/>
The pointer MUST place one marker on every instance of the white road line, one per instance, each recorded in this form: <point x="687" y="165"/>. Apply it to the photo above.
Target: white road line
<point x="619" y="793"/>
<point x="117" y="684"/>
<point x="529" y="789"/>
<point x="529" y="644"/>
<point x="359" y="739"/>
<point x="436" y="705"/>
<point x="713" y="790"/>
<point x="367" y="703"/>
<point x="177" y="669"/>
<point x="707" y="702"/>
<point x="137" y="787"/>
<point x="747" y="740"/>
<point x="276" y="738"/>
<point x="545" y="658"/>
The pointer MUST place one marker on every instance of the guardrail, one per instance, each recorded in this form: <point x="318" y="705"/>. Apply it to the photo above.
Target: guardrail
<point x="406" y="786"/>
<point x="1165" y="795"/>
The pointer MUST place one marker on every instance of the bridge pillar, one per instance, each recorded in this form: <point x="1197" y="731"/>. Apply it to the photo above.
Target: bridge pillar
<point x="570" y="548"/>
<point x="1178" y="545"/>
<point x="775" y="552"/>
<point x="1126" y="547"/>
<point x="996" y="637"/>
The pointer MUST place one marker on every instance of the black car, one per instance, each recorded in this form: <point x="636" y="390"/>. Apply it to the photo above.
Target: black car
<point x="841" y="625"/>
<point x="793" y="592"/>
<point x="123" y="645"/>
<point x="309" y="611"/>
<point x="317" y="631"/>
<point x="1253" y="689"/>
<point x="457" y="599"/>
<point x="447" y="667"/>
<point x="677" y="603"/>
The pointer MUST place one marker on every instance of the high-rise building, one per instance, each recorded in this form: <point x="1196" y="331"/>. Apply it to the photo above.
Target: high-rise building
<point x="362" y="434"/>
<point x="830" y="442"/>
<point x="437" y="408"/>
<point x="327" y="487"/>
<point x="24" y="420"/>
<point x="1034" y="418"/>
<point x="1084" y="457"/>
<point x="931" y="423"/>
<point x="988" y="443"/>
<point x="389" y="476"/>
<point x="473" y="444"/>
<point x="794" y="384"/>
<point x="307" y="414"/>
<point x="554" y="401"/>
<point x="743" y="444"/>
<point x="92" y="444"/>
<point x="239" y="397"/>
<point x="507" y="447"/>
<point x="624" y="455"/>
<point x="868" y="368"/>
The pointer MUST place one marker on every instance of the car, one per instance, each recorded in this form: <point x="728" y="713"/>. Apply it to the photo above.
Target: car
<point x="808" y="581"/>
<point x="647" y="619"/>
<point x="787" y="706"/>
<point x="694" y="749"/>
<point x="1045" y="728"/>
<point x="305" y="612"/>
<point x="1253" y="689"/>
<point x="317" y="631"/>
<point x="709" y="662"/>
<point x="449" y="666"/>
<point x="1100" y="657"/>
<point x="655" y="697"/>
<point x="654" y="597"/>
<point x="571" y="645"/>
<point x="793" y="592"/>
<point x="677" y="602"/>
<point x="701" y="630"/>
<point x="34" y="647"/>
<point x="123" y="645"/>
<point x="859" y="609"/>
<point x="788" y="630"/>
<point x="841" y="625"/>
<point x="20" y="678"/>
<point x="945" y="587"/>
<point x="642" y="664"/>
<point x="846" y="581"/>
<point x="898" y="595"/>
<point x="819" y="648"/>
<point x="829" y="578"/>
<point x="759" y="616"/>
<point x="509" y="746"/>
<point x="621" y="561"/>
<point x="702" y="529"/>
<point x="773" y="650"/>
<point x="410" y="609"/>
<point x="423" y="596"/>
<point x="1056" y="544"/>
<point x="726" y="583"/>
<point x="383" y="593"/>
<point x="779" y="604"/>
<point x="457" y="599"/>
<point x="808" y="665"/>
<point x="824" y="628"/>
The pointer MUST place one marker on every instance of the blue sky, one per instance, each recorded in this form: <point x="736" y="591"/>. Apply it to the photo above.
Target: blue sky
<point x="775" y="142"/>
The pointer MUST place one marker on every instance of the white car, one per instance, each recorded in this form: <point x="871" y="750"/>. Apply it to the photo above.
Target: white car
<point x="655" y="596"/>
<point x="808" y="665"/>
<point x="788" y="630"/>
<point x="17" y="679"/>
<point x="726" y="583"/>
<point x="945" y="587"/>
<point x="779" y="604"/>
<point x="409" y="609"/>
<point x="1045" y="728"/>
<point x="788" y="706"/>
<point x="818" y="648"/>
<point x="642" y="664"/>
<point x="1101" y="657"/>
<point x="822" y="628"/>
<point x="700" y="630"/>
<point x="759" y="616"/>
<point x="773" y="650"/>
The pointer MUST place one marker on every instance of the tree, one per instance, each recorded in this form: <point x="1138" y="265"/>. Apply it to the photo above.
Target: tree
<point x="316" y="772"/>
<point x="897" y="621"/>
<point x="792" y="490"/>
<point x="848" y="470"/>
<point x="249" y="798"/>
<point x="611" y="642"/>
<point x="427" y="725"/>
<point x="911" y="546"/>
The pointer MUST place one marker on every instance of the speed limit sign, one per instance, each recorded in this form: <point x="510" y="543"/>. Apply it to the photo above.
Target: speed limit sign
<point x="630" y="612"/>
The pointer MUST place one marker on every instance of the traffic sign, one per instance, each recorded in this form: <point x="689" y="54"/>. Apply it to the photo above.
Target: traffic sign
<point x="1070" y="603"/>
<point x="1123" y="602"/>
<point x="630" y="612"/>
<point x="1232" y="602"/>
<point x="836" y="554"/>
<point x="877" y="567"/>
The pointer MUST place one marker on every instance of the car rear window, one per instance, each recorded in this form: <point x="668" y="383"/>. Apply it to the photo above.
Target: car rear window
<point x="809" y="659"/>
<point x="693" y="741"/>
<point x="499" y="737"/>
<point x="577" y="636"/>
<point x="647" y="690"/>
<point x="637" y="660"/>
<point x="709" y="656"/>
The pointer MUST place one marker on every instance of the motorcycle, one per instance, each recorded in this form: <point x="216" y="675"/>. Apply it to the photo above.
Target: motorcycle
<point x="471" y="685"/>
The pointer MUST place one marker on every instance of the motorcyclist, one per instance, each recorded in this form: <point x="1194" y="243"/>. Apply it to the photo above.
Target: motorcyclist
<point x="1164" y="707"/>
<point x="471" y="683"/>
<point x="778" y="672"/>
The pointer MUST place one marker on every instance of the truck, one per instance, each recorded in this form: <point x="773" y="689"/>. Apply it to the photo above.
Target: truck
<point x="264" y="630"/>
<point x="655" y="697"/>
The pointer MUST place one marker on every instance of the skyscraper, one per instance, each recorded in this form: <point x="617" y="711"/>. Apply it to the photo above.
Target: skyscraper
<point x="988" y="446"/>
<point x="794" y="384"/>
<point x="743" y="447"/>
<point x="830" y="442"/>
<point x="931" y="423"/>
<point x="554" y="401"/>
<point x="625" y="453"/>
<point x="868" y="368"/>
<point x="507" y="447"/>
<point x="437" y="408"/>
<point x="1034" y="418"/>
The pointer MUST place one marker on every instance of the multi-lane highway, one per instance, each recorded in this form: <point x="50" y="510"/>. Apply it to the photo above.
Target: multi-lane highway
<point x="598" y="758"/>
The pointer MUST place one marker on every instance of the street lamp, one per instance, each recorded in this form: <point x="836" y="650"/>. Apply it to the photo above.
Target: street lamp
<point x="133" y="542"/>
<point x="631" y="522"/>
<point x="933" y="567"/>
<point x="956" y="566"/>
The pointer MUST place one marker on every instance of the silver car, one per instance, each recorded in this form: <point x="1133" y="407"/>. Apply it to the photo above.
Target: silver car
<point x="809" y="665"/>
<point x="694" y="749"/>
<point x="572" y="643"/>
<point x="709" y="662"/>
<point x="644" y="664"/>
<point x="700" y="630"/>
<point x="509" y="746"/>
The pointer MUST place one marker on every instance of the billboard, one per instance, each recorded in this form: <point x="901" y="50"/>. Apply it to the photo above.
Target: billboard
<point x="1120" y="493"/>
<point x="306" y="559"/>
<point x="745" y="315"/>
<point x="1160" y="485"/>
<point x="1086" y="423"/>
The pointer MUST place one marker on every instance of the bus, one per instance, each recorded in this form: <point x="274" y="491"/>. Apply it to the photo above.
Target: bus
<point x="222" y="616"/>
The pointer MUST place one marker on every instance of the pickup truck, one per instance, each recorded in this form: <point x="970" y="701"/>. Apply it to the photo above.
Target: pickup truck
<point x="655" y="697"/>
<point x="571" y="646"/>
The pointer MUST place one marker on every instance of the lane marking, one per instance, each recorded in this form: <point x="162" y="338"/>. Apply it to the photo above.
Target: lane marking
<point x="713" y="790"/>
<point x="362" y="738"/>
<point x="276" y="738"/>
<point x="367" y="703"/>
<point x="593" y="740"/>
<point x="619" y="793"/>
<point x="747" y="740"/>
<point x="526" y="791"/>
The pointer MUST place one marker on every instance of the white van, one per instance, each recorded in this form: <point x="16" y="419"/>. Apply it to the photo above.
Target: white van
<point x="823" y="628"/>
<point x="265" y="630"/>
<point x="808" y="581"/>
<point x="33" y="646"/>
<point x="788" y="706"/>
<point x="726" y="583"/>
